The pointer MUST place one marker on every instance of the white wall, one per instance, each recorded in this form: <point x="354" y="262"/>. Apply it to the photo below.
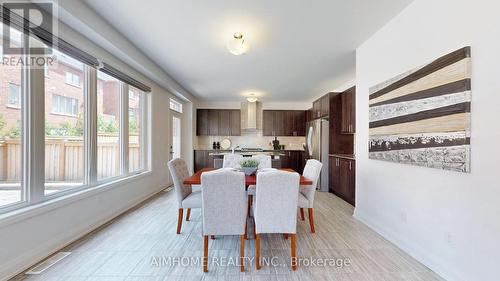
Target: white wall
<point x="32" y="234"/>
<point x="447" y="220"/>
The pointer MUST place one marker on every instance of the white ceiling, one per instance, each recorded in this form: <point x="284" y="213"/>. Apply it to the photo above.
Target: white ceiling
<point x="299" y="49"/>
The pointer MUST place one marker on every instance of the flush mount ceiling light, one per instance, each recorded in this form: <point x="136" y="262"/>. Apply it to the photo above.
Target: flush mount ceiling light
<point x="237" y="45"/>
<point x="252" y="98"/>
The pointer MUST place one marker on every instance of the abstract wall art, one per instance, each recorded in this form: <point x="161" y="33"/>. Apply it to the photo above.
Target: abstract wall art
<point x="422" y="117"/>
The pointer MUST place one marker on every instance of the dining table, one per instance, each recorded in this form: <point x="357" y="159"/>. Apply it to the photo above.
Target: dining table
<point x="195" y="179"/>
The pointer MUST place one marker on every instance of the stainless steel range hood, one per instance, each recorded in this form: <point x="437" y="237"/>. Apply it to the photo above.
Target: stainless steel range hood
<point x="251" y="116"/>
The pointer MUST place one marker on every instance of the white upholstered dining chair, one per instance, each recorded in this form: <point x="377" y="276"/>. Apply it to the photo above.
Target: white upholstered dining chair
<point x="275" y="207"/>
<point x="312" y="172"/>
<point x="232" y="161"/>
<point x="223" y="208"/>
<point x="186" y="198"/>
<point x="265" y="162"/>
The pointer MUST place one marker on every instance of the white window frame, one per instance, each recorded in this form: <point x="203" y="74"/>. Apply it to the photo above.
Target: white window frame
<point x="65" y="99"/>
<point x="19" y="94"/>
<point x="176" y="106"/>
<point x="71" y="81"/>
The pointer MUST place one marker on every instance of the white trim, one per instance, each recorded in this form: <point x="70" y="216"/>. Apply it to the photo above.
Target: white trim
<point x="60" y="201"/>
<point x="90" y="135"/>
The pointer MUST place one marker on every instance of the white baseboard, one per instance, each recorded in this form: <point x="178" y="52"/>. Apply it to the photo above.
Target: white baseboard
<point x="28" y="259"/>
<point x="417" y="253"/>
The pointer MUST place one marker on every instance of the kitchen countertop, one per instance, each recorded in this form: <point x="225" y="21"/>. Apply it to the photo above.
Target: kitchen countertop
<point x="344" y="156"/>
<point x="230" y="150"/>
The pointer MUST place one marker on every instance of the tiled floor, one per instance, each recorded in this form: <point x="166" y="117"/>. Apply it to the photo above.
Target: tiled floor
<point x="131" y="248"/>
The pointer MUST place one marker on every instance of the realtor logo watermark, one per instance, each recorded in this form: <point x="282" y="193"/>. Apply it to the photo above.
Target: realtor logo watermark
<point x="28" y="33"/>
<point x="167" y="261"/>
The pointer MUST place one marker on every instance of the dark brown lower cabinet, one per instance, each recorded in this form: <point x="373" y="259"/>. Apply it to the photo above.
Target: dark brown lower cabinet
<point x="293" y="160"/>
<point x="203" y="159"/>
<point x="342" y="178"/>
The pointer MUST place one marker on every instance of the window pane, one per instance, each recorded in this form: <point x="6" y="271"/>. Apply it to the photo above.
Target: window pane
<point x="64" y="127"/>
<point x="136" y="149"/>
<point x="108" y="127"/>
<point x="10" y="128"/>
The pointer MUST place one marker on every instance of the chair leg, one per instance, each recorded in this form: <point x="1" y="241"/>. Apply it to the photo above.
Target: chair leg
<point x="294" y="254"/>
<point x="285" y="235"/>
<point x="245" y="233"/>
<point x="302" y="214"/>
<point x="254" y="229"/>
<point x="257" y="251"/>
<point x="179" y="221"/>
<point x="188" y="214"/>
<point x="242" y="253"/>
<point x="311" y="219"/>
<point x="250" y="198"/>
<point x="205" y="253"/>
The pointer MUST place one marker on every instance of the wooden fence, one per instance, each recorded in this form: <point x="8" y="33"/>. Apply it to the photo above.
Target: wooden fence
<point x="64" y="159"/>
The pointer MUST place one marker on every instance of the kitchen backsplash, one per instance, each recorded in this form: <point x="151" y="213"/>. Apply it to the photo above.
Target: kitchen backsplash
<point x="251" y="139"/>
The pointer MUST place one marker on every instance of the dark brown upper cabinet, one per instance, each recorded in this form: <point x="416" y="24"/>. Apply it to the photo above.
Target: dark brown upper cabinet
<point x="321" y="107"/>
<point x="202" y="122"/>
<point x="213" y="122"/>
<point x="218" y="122"/>
<point x="235" y="122"/>
<point x="348" y="118"/>
<point x="284" y="123"/>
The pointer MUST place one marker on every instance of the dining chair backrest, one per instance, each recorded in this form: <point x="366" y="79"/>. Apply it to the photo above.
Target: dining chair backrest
<point x="312" y="171"/>
<point x="223" y="202"/>
<point x="232" y="161"/>
<point x="276" y="195"/>
<point x="265" y="161"/>
<point x="179" y="172"/>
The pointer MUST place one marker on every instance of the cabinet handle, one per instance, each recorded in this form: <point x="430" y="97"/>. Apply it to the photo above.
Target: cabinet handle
<point x="350" y="165"/>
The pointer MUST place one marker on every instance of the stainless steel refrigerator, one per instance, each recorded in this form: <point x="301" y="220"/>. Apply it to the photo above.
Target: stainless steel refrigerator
<point x="317" y="148"/>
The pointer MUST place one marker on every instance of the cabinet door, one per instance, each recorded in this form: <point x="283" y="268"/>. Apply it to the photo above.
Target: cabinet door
<point x="325" y="105"/>
<point x="202" y="122"/>
<point x="352" y="183"/>
<point x="213" y="122"/>
<point x="345" y="179"/>
<point x="348" y="112"/>
<point x="199" y="159"/>
<point x="279" y="123"/>
<point x="299" y="123"/>
<point x="235" y="123"/>
<point x="224" y="122"/>
<point x="285" y="160"/>
<point x="294" y="160"/>
<point x="334" y="176"/>
<point x="316" y="109"/>
<point x="289" y="122"/>
<point x="268" y="123"/>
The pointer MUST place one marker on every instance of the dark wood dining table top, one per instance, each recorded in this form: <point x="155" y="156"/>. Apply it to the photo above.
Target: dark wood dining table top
<point x="249" y="180"/>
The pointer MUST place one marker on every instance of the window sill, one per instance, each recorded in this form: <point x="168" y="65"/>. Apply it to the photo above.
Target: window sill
<point x="64" y="114"/>
<point x="23" y="213"/>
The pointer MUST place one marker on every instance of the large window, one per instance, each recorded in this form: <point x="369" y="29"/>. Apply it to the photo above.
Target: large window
<point x="108" y="126"/>
<point x="64" y="127"/>
<point x="88" y="127"/>
<point x="11" y="136"/>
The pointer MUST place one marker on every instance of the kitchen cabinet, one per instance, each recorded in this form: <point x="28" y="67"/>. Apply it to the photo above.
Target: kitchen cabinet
<point x="284" y="123"/>
<point x="348" y="118"/>
<point x="342" y="178"/>
<point x="235" y="129"/>
<point x="321" y="107"/>
<point x="213" y="122"/>
<point x="202" y="122"/>
<point x="293" y="159"/>
<point x="218" y="122"/>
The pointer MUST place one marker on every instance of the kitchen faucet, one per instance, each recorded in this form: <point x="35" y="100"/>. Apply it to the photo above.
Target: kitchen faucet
<point x="234" y="148"/>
